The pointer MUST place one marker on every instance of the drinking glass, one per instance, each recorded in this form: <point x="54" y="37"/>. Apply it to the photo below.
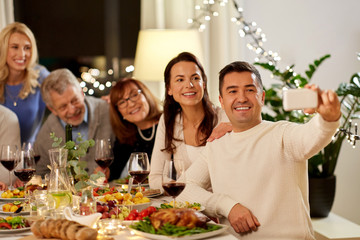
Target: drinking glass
<point x="8" y="154"/>
<point x="139" y="167"/>
<point x="103" y="153"/>
<point x="25" y="167"/>
<point x="173" y="180"/>
<point x="29" y="146"/>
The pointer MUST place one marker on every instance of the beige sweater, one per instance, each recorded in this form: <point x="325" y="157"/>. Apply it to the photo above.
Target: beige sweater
<point x="265" y="169"/>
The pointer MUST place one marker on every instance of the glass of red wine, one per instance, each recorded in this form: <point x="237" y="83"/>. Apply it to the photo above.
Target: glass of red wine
<point x="8" y="155"/>
<point x="25" y="168"/>
<point x="103" y="153"/>
<point x="29" y="146"/>
<point x="173" y="181"/>
<point x="139" y="167"/>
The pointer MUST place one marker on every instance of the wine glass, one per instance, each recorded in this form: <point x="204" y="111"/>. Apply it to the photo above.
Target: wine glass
<point x="30" y="146"/>
<point x="8" y="154"/>
<point x="103" y="153"/>
<point x="25" y="168"/>
<point x="173" y="181"/>
<point x="139" y="167"/>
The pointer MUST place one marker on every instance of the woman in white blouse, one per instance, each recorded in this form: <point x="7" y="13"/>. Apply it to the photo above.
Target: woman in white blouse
<point x="188" y="119"/>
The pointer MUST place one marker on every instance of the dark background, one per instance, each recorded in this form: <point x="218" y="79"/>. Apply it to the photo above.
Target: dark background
<point x="72" y="33"/>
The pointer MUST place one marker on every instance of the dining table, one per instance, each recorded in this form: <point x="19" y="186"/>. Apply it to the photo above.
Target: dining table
<point x="125" y="234"/>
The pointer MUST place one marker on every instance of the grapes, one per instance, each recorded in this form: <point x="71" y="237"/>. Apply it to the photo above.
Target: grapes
<point x="110" y="210"/>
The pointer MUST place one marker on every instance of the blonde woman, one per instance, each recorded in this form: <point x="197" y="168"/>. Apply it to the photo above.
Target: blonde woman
<point x="20" y="78"/>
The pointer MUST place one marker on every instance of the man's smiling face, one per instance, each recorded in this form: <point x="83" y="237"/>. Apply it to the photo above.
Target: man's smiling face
<point x="242" y="99"/>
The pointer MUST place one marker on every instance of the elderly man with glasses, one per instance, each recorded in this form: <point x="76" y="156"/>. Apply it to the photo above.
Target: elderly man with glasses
<point x="89" y="116"/>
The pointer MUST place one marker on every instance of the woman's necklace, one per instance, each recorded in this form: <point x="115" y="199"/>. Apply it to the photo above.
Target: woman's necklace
<point x="149" y="138"/>
<point x="14" y="99"/>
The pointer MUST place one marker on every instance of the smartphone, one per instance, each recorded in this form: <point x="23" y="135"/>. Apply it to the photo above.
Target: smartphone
<point x="298" y="99"/>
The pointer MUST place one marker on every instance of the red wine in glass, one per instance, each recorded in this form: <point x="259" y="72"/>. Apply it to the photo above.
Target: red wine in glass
<point x="36" y="158"/>
<point x="173" y="181"/>
<point x="139" y="167"/>
<point x="9" y="164"/>
<point x="24" y="174"/>
<point x="104" y="162"/>
<point x="173" y="188"/>
<point x="103" y="153"/>
<point x="8" y="158"/>
<point x="139" y="176"/>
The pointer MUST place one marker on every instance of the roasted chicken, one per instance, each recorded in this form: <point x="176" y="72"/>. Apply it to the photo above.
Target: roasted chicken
<point x="178" y="217"/>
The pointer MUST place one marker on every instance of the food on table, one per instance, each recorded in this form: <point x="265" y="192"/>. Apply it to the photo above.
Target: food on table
<point x="136" y="215"/>
<point x="110" y="210"/>
<point x="11" y="207"/>
<point x="195" y="206"/>
<point x="179" y="217"/>
<point x="64" y="229"/>
<point x="133" y="191"/>
<point x="150" y="192"/>
<point x="13" y="223"/>
<point x="98" y="191"/>
<point x="125" y="180"/>
<point x="16" y="193"/>
<point x="175" y="222"/>
<point x="33" y="187"/>
<point x="125" y="199"/>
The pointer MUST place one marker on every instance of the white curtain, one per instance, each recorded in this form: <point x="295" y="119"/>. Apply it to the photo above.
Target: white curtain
<point x="221" y="41"/>
<point x="6" y="12"/>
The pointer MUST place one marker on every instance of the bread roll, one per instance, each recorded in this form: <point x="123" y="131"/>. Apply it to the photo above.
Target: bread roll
<point x="35" y="228"/>
<point x="44" y="228"/>
<point x="64" y="229"/>
<point x="58" y="224"/>
<point x="86" y="233"/>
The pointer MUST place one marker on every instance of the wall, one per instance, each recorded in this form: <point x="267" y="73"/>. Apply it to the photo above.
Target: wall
<point x="301" y="31"/>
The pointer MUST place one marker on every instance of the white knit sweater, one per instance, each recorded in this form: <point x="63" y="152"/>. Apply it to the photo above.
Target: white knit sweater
<point x="264" y="169"/>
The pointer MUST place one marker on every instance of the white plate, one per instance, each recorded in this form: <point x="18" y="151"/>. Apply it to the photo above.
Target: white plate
<point x="202" y="208"/>
<point x="14" y="230"/>
<point x="189" y="237"/>
<point x="153" y="195"/>
<point x="129" y="222"/>
<point x="10" y="199"/>
<point x="134" y="184"/>
<point x="10" y="213"/>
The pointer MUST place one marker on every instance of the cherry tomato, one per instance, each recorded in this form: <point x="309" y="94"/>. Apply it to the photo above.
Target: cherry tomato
<point x="138" y="218"/>
<point x="131" y="217"/>
<point x="151" y="209"/>
<point x="144" y="213"/>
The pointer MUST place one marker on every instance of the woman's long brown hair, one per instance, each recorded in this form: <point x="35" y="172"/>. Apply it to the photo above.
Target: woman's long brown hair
<point x="172" y="108"/>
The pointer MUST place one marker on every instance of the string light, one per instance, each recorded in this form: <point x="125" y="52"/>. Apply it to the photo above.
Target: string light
<point x="204" y="11"/>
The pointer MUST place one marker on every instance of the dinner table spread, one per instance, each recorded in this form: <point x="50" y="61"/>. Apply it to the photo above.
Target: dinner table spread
<point x="126" y="233"/>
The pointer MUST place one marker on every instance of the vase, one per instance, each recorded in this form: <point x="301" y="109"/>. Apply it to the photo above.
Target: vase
<point x="321" y="196"/>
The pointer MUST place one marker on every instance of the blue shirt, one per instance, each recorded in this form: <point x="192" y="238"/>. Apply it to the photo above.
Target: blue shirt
<point x="82" y="128"/>
<point x="30" y="111"/>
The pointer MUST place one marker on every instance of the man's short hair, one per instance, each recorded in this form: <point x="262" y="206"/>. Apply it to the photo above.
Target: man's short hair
<point x="58" y="81"/>
<point x="238" y="66"/>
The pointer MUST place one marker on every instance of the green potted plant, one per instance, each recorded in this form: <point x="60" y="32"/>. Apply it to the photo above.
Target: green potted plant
<point x="321" y="167"/>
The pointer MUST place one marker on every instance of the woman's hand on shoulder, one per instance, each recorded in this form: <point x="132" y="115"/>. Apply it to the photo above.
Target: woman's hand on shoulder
<point x="220" y="130"/>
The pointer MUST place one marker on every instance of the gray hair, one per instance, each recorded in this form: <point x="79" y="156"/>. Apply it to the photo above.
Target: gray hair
<point x="58" y="81"/>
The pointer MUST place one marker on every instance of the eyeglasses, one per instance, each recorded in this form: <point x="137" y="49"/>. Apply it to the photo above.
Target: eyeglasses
<point x="123" y="103"/>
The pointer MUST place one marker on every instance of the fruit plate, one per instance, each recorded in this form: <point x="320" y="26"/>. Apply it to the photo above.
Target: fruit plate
<point x="188" y="237"/>
<point x="10" y="199"/>
<point x="12" y="213"/>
